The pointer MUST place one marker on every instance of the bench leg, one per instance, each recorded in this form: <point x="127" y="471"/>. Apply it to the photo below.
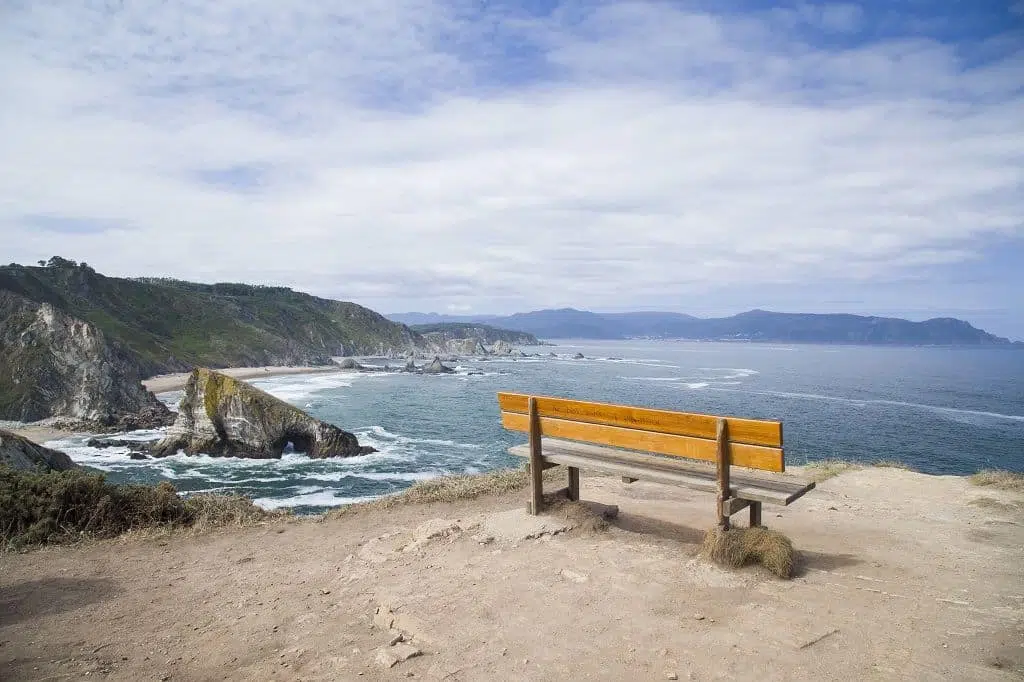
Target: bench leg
<point x="536" y="462"/>
<point x="574" y="484"/>
<point x="755" y="514"/>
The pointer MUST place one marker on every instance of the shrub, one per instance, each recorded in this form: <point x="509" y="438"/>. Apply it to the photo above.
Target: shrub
<point x="39" y="507"/>
<point x="1000" y="480"/>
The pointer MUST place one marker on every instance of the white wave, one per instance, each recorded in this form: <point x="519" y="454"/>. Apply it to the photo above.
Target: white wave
<point x="319" y="498"/>
<point x="412" y="476"/>
<point x="734" y="372"/>
<point x="696" y="384"/>
<point x="668" y="379"/>
<point x="380" y="432"/>
<point x="300" y="387"/>
<point x="861" y="402"/>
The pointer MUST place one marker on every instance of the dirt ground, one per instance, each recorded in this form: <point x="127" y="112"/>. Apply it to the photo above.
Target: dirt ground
<point x="903" y="577"/>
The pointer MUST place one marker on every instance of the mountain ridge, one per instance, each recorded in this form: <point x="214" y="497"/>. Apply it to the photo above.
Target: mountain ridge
<point x="752" y="325"/>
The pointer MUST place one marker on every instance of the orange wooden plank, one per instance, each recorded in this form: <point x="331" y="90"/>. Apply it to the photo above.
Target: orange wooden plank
<point x="751" y="431"/>
<point x="741" y="454"/>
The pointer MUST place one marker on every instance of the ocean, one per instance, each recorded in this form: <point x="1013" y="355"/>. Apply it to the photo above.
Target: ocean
<point x="938" y="410"/>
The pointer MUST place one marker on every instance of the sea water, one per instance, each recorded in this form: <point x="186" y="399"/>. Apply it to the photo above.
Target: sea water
<point x="938" y="410"/>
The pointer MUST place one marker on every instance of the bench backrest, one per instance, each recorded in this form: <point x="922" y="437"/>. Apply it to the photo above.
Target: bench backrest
<point x="751" y="443"/>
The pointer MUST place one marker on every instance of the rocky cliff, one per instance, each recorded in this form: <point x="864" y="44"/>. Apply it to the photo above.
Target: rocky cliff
<point x="174" y="326"/>
<point x="452" y="334"/>
<point x="52" y="364"/>
<point x="224" y="416"/>
<point x="21" y="453"/>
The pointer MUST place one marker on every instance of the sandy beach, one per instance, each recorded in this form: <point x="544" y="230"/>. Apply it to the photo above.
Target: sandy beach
<point x="903" y="577"/>
<point x="175" y="382"/>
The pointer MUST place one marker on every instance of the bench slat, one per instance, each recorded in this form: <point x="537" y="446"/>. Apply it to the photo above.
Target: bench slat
<point x="664" y="470"/>
<point x="750" y="431"/>
<point x="741" y="454"/>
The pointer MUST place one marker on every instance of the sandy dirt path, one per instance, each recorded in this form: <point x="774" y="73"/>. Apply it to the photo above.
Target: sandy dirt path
<point x="904" y="577"/>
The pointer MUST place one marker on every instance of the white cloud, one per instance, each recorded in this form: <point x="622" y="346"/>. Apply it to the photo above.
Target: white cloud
<point x="644" y="149"/>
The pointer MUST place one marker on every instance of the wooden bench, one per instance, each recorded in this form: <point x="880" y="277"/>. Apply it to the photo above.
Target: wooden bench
<point x="654" y="445"/>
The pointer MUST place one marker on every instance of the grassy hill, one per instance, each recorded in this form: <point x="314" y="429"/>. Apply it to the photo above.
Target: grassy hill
<point x="174" y="325"/>
<point x="485" y="333"/>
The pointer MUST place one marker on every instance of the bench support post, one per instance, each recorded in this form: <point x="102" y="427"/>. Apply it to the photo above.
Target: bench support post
<point x="573" y="491"/>
<point x="722" y="437"/>
<point x="536" y="463"/>
<point x="755" y="514"/>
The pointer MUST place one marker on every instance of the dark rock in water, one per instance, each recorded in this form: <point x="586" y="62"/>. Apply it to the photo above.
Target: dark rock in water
<point x="20" y="453"/>
<point x="552" y="355"/>
<point x="104" y="443"/>
<point x="436" y="367"/>
<point x="220" y="415"/>
<point x="579" y="356"/>
<point x="349" y="363"/>
<point x="410" y="366"/>
<point x="137" y="448"/>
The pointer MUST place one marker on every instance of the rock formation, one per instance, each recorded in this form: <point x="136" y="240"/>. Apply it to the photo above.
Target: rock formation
<point x="437" y="367"/>
<point x="220" y="415"/>
<point x="21" y="453"/>
<point x="55" y="365"/>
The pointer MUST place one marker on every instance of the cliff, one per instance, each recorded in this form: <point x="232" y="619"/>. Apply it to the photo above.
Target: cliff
<point x="174" y="326"/>
<point x="52" y="364"/>
<point x="219" y="415"/>
<point x="485" y="334"/>
<point x="21" y="453"/>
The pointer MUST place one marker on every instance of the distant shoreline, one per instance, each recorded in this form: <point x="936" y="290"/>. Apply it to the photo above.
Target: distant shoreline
<point x="165" y="383"/>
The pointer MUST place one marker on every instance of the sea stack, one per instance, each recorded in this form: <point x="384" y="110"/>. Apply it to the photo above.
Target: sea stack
<point x="220" y="415"/>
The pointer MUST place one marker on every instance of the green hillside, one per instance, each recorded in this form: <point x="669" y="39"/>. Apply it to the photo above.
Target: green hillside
<point x="175" y="325"/>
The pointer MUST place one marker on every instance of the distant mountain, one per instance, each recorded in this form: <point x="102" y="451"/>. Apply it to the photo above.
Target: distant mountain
<point x="755" y="325"/>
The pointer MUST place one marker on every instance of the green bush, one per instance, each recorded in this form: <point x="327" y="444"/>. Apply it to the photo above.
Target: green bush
<point x="62" y="506"/>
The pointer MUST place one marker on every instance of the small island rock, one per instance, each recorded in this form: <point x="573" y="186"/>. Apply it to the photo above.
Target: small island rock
<point x="220" y="415"/>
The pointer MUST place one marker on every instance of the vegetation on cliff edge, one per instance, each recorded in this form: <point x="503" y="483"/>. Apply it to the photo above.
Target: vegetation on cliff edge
<point x="38" y="508"/>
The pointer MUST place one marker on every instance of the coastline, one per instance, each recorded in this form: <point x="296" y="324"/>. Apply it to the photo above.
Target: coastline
<point x="164" y="383"/>
<point x="42" y="432"/>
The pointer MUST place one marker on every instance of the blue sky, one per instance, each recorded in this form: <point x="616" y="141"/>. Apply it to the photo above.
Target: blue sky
<point x="468" y="156"/>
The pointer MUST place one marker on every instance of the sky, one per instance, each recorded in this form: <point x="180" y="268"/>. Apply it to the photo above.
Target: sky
<point x="488" y="156"/>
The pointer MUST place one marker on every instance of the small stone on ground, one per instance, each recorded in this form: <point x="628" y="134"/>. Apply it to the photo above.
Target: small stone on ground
<point x="389" y="657"/>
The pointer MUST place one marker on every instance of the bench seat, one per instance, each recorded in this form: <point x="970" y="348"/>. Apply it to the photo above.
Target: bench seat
<point x="670" y="470"/>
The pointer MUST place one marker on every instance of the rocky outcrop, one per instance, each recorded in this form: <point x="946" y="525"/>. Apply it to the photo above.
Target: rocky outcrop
<point x="220" y="415"/>
<point x="437" y="367"/>
<point x="55" y="365"/>
<point x="21" y="453"/>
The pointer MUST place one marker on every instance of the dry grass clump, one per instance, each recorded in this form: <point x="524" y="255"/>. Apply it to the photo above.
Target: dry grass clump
<point x="995" y="505"/>
<point x="215" y="510"/>
<point x="582" y="516"/>
<point x="1000" y="480"/>
<point x="892" y="464"/>
<point x="825" y="469"/>
<point x="39" y="507"/>
<point x="738" y="547"/>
